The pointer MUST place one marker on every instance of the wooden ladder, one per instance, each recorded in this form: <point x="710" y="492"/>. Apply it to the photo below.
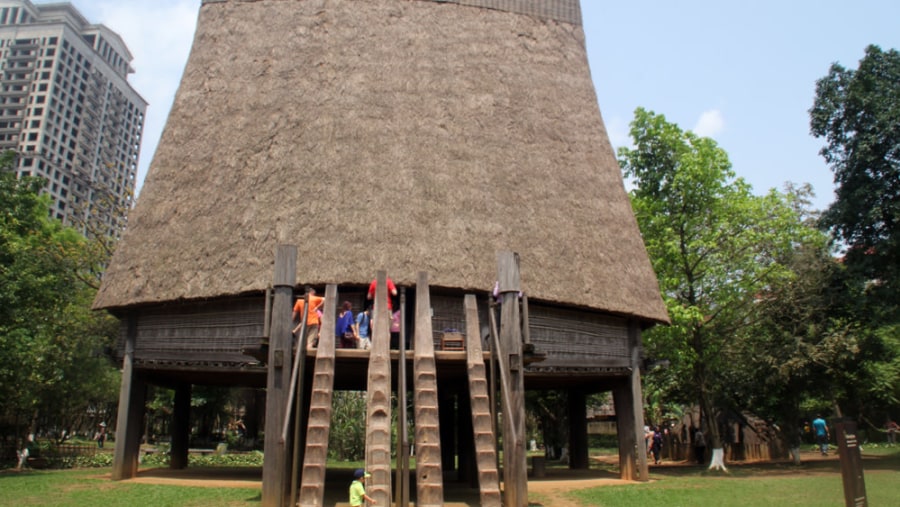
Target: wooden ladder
<point x="378" y="400"/>
<point x="485" y="441"/>
<point x="312" y="484"/>
<point x="429" y="475"/>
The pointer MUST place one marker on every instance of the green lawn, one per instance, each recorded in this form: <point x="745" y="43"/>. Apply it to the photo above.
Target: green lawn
<point x="821" y="491"/>
<point x="92" y="487"/>
<point x="764" y="485"/>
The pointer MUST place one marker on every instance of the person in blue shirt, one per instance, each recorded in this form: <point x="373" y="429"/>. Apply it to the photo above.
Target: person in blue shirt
<point x="820" y="427"/>
<point x="362" y="327"/>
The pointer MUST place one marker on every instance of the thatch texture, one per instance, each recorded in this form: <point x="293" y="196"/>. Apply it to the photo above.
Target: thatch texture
<point x="384" y="134"/>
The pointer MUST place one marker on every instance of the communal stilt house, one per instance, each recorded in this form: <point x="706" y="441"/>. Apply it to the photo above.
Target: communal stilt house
<point x="452" y="146"/>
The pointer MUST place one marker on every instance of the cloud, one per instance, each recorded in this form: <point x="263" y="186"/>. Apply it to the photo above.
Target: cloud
<point x="710" y="123"/>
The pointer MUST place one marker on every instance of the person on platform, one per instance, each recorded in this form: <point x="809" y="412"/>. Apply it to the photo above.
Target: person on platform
<point x="312" y="317"/>
<point x="392" y="293"/>
<point x="363" y="327"/>
<point x="344" y="330"/>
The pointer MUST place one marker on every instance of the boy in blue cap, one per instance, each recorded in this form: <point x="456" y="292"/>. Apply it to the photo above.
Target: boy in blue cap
<point x="358" y="488"/>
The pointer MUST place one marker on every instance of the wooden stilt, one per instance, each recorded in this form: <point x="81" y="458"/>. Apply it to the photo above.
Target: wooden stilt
<point x="402" y="481"/>
<point x="276" y="471"/>
<point x="181" y="427"/>
<point x="578" y="435"/>
<point x="630" y="415"/>
<point x="515" y="466"/>
<point x="629" y="445"/>
<point x="637" y="398"/>
<point x="131" y="410"/>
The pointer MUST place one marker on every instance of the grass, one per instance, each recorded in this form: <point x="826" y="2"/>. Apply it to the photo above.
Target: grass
<point x="82" y="488"/>
<point x="809" y="485"/>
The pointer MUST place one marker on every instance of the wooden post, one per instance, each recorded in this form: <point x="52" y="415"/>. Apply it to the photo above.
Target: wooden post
<point x="181" y="427"/>
<point x="402" y="484"/>
<point x="629" y="444"/>
<point x="578" y="435"/>
<point x="515" y="469"/>
<point x="132" y="394"/>
<point x="851" y="464"/>
<point x="275" y="464"/>
<point x="627" y="398"/>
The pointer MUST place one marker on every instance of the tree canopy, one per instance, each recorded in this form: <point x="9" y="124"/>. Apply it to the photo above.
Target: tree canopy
<point x="53" y="366"/>
<point x="857" y="112"/>
<point x="716" y="248"/>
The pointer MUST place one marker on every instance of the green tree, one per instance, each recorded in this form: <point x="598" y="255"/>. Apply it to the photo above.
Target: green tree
<point x="347" y="437"/>
<point x="800" y="351"/>
<point x="53" y="371"/>
<point x="715" y="248"/>
<point x="858" y="114"/>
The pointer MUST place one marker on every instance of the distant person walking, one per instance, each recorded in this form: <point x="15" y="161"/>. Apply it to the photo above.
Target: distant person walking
<point x="101" y="435"/>
<point x="820" y="428"/>
<point x="700" y="446"/>
<point x="656" y="446"/>
<point x="892" y="429"/>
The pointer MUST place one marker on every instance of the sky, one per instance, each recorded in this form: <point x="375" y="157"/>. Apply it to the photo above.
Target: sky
<point x="742" y="73"/>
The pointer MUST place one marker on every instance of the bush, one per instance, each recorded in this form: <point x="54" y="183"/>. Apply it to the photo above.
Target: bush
<point x="99" y="460"/>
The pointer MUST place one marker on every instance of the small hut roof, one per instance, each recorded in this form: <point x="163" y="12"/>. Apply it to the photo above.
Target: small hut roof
<point x="387" y="134"/>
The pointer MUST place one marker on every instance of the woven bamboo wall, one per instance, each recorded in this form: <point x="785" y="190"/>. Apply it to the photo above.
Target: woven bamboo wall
<point x="214" y="333"/>
<point x="203" y="333"/>
<point x="569" y="338"/>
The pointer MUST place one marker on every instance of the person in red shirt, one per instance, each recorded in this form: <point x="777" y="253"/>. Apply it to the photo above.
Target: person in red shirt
<point x="312" y="317"/>
<point x="392" y="292"/>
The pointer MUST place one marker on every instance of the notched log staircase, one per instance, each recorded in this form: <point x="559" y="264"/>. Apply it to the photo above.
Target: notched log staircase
<point x="429" y="475"/>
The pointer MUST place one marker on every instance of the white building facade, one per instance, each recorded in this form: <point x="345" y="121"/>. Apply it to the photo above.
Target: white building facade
<point x="67" y="109"/>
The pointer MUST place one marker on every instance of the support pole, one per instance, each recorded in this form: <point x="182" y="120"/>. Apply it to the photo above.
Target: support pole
<point x="578" y="431"/>
<point x="275" y="464"/>
<point x="132" y="394"/>
<point x="637" y="396"/>
<point x="515" y="469"/>
<point x="402" y="479"/>
<point x="630" y="415"/>
<point x="629" y="445"/>
<point x="181" y="427"/>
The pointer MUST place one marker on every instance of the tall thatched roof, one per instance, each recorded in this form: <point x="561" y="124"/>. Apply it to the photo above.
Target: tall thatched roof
<point x="385" y="134"/>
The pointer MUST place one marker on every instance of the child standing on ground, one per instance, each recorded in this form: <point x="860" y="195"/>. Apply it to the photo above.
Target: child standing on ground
<point x="358" y="488"/>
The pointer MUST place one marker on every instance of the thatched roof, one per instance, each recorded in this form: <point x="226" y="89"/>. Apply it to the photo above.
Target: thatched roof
<point x="386" y="134"/>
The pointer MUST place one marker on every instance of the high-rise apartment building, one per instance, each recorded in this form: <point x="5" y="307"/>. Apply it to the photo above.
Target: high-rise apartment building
<point x="68" y="111"/>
